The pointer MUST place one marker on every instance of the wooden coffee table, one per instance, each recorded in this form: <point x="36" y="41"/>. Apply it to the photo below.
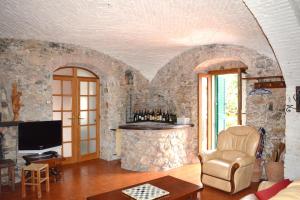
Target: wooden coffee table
<point x="178" y="189"/>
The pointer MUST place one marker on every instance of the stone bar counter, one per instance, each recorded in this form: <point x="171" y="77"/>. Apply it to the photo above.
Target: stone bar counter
<point x="153" y="146"/>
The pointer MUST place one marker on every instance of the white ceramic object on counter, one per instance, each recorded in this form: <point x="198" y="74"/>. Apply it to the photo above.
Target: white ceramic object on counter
<point x="183" y="120"/>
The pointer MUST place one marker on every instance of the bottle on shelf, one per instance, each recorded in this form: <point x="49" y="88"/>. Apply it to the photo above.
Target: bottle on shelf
<point x="139" y="116"/>
<point x="171" y="118"/>
<point x="143" y="116"/>
<point x="152" y="116"/>
<point x="134" y="116"/>
<point x="159" y="115"/>
<point x="148" y="115"/>
<point x="167" y="117"/>
<point x="163" y="117"/>
<point x="156" y="115"/>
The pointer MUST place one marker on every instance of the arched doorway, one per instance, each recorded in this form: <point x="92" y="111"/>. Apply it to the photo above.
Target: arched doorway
<point x="75" y="94"/>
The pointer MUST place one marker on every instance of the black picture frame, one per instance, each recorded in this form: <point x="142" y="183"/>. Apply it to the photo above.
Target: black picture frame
<point x="297" y="98"/>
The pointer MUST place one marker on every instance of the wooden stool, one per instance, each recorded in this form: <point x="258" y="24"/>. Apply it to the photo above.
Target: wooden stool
<point x="10" y="165"/>
<point x="32" y="175"/>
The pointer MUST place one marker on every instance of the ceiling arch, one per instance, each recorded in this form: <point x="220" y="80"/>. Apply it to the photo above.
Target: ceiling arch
<point x="145" y="34"/>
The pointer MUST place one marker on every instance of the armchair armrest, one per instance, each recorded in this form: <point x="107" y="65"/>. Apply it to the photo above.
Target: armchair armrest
<point x="208" y="155"/>
<point x="244" y="161"/>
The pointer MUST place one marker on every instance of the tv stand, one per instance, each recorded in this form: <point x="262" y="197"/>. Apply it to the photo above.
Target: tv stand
<point x="51" y="153"/>
<point x="35" y="157"/>
<point x="54" y="162"/>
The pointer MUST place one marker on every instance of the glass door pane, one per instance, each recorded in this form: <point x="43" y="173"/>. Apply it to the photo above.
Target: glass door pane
<point x="68" y="118"/>
<point x="63" y="110"/>
<point x="84" y="107"/>
<point x="88" y="112"/>
<point x="219" y="117"/>
<point x="228" y="100"/>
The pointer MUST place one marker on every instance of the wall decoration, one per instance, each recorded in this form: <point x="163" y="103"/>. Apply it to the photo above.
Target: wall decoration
<point x="260" y="91"/>
<point x="16" y="101"/>
<point x="290" y="106"/>
<point x="129" y="79"/>
<point x="298" y="99"/>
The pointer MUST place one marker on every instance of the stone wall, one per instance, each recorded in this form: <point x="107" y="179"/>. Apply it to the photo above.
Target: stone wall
<point x="165" y="149"/>
<point x="268" y="111"/>
<point x="31" y="63"/>
<point x="175" y="87"/>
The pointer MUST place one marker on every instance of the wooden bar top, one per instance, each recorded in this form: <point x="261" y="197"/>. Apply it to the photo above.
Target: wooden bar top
<point x="153" y="126"/>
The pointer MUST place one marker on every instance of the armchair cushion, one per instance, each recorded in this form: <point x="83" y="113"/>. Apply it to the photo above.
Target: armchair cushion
<point x="232" y="155"/>
<point x="218" y="168"/>
<point x="222" y="168"/>
<point x="239" y="138"/>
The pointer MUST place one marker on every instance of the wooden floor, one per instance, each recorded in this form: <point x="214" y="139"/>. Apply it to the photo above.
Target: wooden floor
<point x="98" y="176"/>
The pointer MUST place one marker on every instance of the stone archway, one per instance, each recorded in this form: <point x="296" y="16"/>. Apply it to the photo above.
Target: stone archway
<point x="177" y="82"/>
<point x="219" y="63"/>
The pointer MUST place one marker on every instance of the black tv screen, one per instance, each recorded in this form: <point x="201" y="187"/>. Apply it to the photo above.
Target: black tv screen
<point x="39" y="135"/>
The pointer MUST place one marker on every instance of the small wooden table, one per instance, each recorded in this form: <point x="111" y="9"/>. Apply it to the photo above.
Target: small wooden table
<point x="55" y="167"/>
<point x="179" y="189"/>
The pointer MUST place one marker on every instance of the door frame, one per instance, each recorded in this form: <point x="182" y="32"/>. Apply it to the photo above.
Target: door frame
<point x="75" y="119"/>
<point x="209" y="124"/>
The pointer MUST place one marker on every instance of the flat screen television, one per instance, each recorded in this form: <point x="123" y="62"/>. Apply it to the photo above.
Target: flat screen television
<point x="39" y="135"/>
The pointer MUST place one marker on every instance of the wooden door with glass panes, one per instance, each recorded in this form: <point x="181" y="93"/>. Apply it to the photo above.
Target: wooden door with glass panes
<point x="76" y="103"/>
<point x="88" y="120"/>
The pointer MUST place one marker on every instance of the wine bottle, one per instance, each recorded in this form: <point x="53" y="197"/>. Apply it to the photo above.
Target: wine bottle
<point x="171" y="118"/>
<point x="134" y="116"/>
<point x="167" y="117"/>
<point x="142" y="116"/>
<point x="159" y="115"/>
<point x="139" y="116"/>
<point x="147" y="115"/>
<point x="152" y="116"/>
<point x="163" y="117"/>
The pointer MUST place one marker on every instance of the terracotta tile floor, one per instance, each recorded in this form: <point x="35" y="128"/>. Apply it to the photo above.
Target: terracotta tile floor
<point x="97" y="176"/>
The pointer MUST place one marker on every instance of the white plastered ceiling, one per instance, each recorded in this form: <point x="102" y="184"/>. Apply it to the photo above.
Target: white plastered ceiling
<point x="145" y="34"/>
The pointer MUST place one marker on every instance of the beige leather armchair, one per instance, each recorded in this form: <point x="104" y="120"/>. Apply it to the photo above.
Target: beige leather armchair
<point x="230" y="166"/>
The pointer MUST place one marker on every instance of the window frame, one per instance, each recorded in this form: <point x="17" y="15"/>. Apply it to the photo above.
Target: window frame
<point x="210" y="103"/>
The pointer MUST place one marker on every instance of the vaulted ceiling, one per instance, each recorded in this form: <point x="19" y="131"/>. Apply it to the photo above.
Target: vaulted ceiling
<point x="145" y="34"/>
